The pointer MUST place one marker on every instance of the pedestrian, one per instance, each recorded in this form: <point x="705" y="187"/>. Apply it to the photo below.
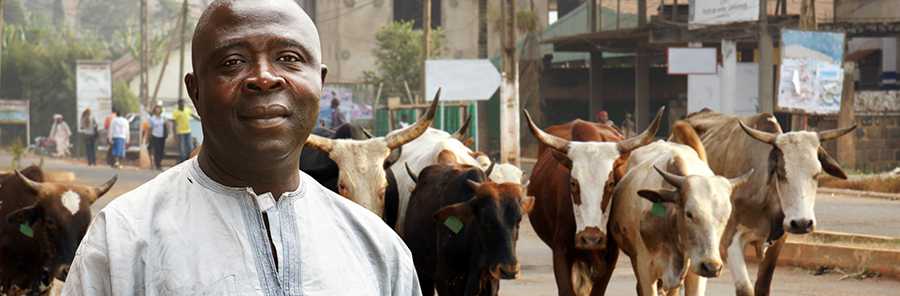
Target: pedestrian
<point x="60" y="134"/>
<point x="182" y="117"/>
<point x="337" y="119"/>
<point x="240" y="218"/>
<point x="157" y="137"/>
<point x="603" y="117"/>
<point x="89" y="132"/>
<point x="628" y="129"/>
<point x="118" y="135"/>
<point x="110" y="160"/>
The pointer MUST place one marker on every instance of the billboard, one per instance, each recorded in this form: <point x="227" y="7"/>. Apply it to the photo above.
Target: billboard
<point x="13" y="112"/>
<point x="685" y="60"/>
<point x="717" y="12"/>
<point x="461" y="80"/>
<point x="93" y="88"/>
<point x="351" y="109"/>
<point x="811" y="77"/>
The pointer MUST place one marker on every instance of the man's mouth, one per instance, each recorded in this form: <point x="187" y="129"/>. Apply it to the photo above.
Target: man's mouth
<point x="262" y="117"/>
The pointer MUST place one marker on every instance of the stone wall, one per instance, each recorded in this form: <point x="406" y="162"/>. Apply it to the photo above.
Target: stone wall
<point x="878" y="133"/>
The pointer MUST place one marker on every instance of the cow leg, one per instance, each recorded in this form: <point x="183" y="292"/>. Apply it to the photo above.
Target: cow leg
<point x="562" y="270"/>
<point x="738" y="267"/>
<point x="694" y="285"/>
<point x="767" y="267"/>
<point x="606" y="266"/>
<point x="646" y="284"/>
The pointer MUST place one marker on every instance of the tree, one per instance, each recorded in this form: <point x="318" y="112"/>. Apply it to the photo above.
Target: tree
<point x="398" y="57"/>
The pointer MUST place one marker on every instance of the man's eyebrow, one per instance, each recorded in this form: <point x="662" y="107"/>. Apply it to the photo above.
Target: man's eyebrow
<point x="229" y="45"/>
<point x="280" y="42"/>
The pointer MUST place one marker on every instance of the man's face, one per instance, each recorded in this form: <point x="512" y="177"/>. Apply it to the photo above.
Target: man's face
<point x="257" y="80"/>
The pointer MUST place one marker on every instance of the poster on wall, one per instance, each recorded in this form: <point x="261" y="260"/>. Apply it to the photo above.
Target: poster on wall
<point x="811" y="74"/>
<point x="349" y="109"/>
<point x="93" y="88"/>
<point x="717" y="12"/>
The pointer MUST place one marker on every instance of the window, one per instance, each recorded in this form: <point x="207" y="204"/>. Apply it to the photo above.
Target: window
<point x="411" y="10"/>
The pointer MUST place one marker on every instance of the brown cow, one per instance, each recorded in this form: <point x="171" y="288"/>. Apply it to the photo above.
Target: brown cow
<point x="43" y="223"/>
<point x="570" y="218"/>
<point x="780" y="195"/>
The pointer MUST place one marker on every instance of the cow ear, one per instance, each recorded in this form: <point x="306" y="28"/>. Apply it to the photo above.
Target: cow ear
<point x="527" y="204"/>
<point x="659" y="195"/>
<point x="27" y="215"/>
<point x="562" y="158"/>
<point x="831" y="166"/>
<point x="461" y="210"/>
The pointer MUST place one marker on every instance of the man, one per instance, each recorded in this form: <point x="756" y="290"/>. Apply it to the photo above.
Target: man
<point x="182" y="117"/>
<point x="118" y="137"/>
<point x="240" y="218"/>
<point x="603" y="117"/>
<point x="337" y="118"/>
<point x="60" y="134"/>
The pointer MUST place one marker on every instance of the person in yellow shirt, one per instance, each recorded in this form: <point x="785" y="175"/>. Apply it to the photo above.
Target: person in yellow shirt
<point x="182" y="117"/>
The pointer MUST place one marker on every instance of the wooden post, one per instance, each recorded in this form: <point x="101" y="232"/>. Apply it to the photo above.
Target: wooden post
<point x="618" y="13"/>
<point x="728" y="76"/>
<point x="800" y="120"/>
<point x="595" y="102"/>
<point x="641" y="76"/>
<point x="426" y="40"/>
<point x="184" y="13"/>
<point x="592" y="16"/>
<point x="509" y="88"/>
<point x="1" y="48"/>
<point x="846" y="146"/>
<point x="766" y="81"/>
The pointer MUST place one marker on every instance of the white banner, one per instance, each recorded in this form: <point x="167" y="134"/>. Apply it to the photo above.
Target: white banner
<point x="717" y="12"/>
<point x="461" y="80"/>
<point x="812" y="79"/>
<point x="93" y="89"/>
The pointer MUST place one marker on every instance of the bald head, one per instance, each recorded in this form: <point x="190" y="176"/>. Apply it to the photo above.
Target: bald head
<point x="228" y="20"/>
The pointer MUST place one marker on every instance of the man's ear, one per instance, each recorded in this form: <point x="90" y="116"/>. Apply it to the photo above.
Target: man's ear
<point x="193" y="90"/>
<point x="324" y="73"/>
<point x="461" y="210"/>
<point x="659" y="195"/>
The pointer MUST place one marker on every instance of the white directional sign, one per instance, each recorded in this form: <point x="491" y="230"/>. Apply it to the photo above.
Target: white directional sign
<point x="461" y="80"/>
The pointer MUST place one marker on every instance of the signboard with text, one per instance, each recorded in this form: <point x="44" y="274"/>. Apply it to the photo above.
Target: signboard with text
<point x="93" y="88"/>
<point x="718" y="12"/>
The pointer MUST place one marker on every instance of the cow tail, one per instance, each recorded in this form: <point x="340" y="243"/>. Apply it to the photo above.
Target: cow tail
<point x="767" y="267"/>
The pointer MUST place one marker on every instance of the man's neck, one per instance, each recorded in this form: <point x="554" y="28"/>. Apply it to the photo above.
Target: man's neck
<point x="276" y="179"/>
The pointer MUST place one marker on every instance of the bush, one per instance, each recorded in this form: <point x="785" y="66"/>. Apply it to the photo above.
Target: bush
<point x="398" y="58"/>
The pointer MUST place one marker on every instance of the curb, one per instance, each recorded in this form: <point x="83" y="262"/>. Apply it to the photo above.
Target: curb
<point x="857" y="193"/>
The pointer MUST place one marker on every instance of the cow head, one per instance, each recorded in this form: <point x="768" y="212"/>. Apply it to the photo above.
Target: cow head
<point x="590" y="165"/>
<point x="496" y="210"/>
<point x="362" y="178"/>
<point x="796" y="160"/>
<point x="702" y="207"/>
<point x="58" y="218"/>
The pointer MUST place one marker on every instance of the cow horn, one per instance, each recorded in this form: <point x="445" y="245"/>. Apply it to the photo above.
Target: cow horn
<point x="410" y="173"/>
<point x="412" y="132"/>
<point x="35" y="186"/>
<point x="320" y="143"/>
<point x="365" y="132"/>
<point x="765" y="137"/>
<point x="460" y="134"/>
<point x="644" y="138"/>
<point x="834" y="133"/>
<point x="670" y="178"/>
<point x="474" y="185"/>
<point x="557" y="143"/>
<point x="103" y="189"/>
<point x="490" y="169"/>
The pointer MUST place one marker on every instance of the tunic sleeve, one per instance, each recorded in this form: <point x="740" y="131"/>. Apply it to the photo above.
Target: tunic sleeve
<point x="106" y="262"/>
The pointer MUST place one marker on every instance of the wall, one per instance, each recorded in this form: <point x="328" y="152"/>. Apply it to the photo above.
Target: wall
<point x="878" y="132"/>
<point x="171" y="79"/>
<point x="348" y="36"/>
<point x="867" y="10"/>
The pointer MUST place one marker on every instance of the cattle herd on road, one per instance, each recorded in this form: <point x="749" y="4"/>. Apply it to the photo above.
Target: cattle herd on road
<point x="683" y="209"/>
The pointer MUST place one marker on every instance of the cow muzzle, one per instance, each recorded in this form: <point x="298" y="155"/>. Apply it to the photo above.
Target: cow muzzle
<point x="505" y="271"/>
<point x="800" y="226"/>
<point x="591" y="238"/>
<point x="709" y="268"/>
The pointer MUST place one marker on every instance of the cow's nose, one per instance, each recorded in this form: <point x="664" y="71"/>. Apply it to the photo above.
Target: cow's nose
<point x="710" y="268"/>
<point x="801" y="226"/>
<point x="590" y="239"/>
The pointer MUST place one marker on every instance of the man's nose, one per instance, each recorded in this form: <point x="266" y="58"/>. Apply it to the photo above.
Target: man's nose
<point x="262" y="80"/>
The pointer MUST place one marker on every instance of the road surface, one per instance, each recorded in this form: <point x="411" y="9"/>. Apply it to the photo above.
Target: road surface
<point x="835" y="213"/>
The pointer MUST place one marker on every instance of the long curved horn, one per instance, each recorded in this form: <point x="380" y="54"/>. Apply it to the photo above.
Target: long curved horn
<point x="670" y="178"/>
<point x="765" y="137"/>
<point x="35" y="186"/>
<point x="557" y="143"/>
<point x="412" y="132"/>
<point x="103" y="189"/>
<point x="320" y="143"/>
<point x="644" y="138"/>
<point x="460" y="134"/>
<point x="835" y="133"/>
<point x="490" y="169"/>
<point x="410" y="173"/>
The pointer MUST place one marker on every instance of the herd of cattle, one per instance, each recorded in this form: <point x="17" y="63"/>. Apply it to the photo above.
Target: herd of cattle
<point x="681" y="209"/>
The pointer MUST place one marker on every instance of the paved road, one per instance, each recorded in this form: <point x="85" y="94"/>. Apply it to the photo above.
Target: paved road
<point x="836" y="213"/>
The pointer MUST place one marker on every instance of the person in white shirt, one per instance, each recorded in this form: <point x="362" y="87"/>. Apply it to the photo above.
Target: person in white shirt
<point x="240" y="218"/>
<point x="157" y="136"/>
<point x="118" y="137"/>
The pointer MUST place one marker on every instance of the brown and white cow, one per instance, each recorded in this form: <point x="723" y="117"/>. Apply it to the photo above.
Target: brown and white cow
<point x="472" y="256"/>
<point x="572" y="183"/>
<point x="669" y="213"/>
<point x="780" y="194"/>
<point x="362" y="163"/>
<point x="43" y="223"/>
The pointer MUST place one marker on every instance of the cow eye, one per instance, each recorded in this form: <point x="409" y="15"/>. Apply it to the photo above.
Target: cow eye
<point x="690" y="215"/>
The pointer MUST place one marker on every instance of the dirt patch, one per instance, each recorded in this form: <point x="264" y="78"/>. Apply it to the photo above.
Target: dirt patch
<point x="881" y="183"/>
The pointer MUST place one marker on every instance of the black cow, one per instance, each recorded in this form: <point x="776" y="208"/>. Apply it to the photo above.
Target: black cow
<point x="462" y="230"/>
<point x="43" y="223"/>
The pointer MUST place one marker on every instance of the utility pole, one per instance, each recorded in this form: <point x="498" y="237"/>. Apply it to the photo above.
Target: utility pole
<point x="1" y="40"/>
<point x="642" y="75"/>
<point x="184" y="12"/>
<point x="766" y="92"/>
<point x="426" y="40"/>
<point x="144" y="51"/>
<point x="592" y="16"/>
<point x="509" y="88"/>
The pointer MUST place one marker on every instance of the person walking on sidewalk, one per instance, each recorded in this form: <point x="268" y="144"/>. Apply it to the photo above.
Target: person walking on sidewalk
<point x="89" y="131"/>
<point x="182" y="117"/>
<point x="118" y="136"/>
<point x="157" y="137"/>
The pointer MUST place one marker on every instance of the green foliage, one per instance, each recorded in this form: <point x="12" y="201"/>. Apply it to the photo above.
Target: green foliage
<point x="398" y="58"/>
<point x="39" y="65"/>
<point x="123" y="99"/>
<point x="18" y="150"/>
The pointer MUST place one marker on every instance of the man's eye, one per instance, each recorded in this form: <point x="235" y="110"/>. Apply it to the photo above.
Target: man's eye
<point x="289" y="58"/>
<point x="232" y="62"/>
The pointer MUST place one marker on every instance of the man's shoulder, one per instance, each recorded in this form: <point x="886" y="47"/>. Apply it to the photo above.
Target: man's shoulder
<point x="355" y="217"/>
<point x="138" y="202"/>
